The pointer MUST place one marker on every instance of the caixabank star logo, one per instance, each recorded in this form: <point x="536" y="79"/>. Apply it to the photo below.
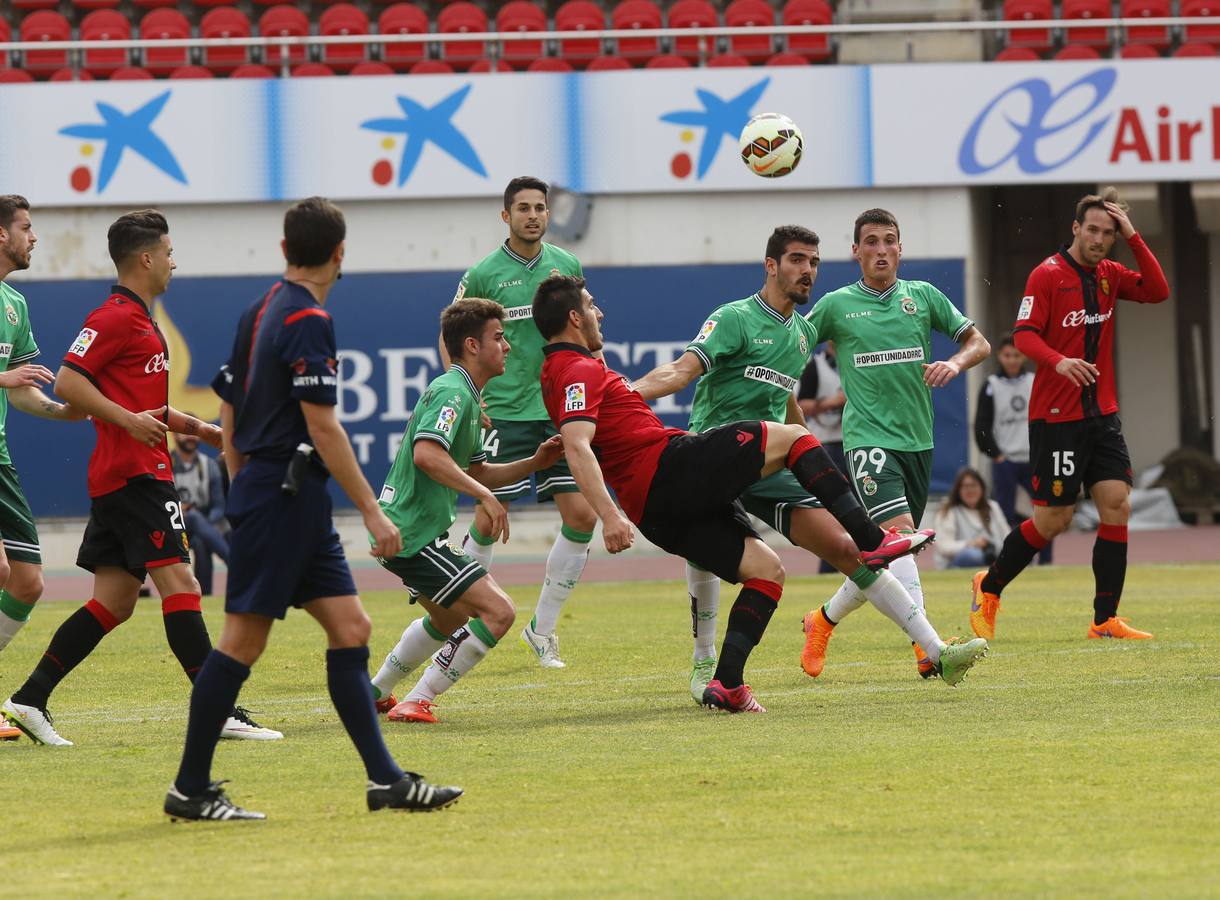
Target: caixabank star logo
<point x="719" y="119"/>
<point x="418" y="126"/>
<point x="117" y="133"/>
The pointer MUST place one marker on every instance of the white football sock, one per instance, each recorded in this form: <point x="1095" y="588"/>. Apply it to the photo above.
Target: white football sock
<point x="847" y="600"/>
<point x="415" y="645"/>
<point x="890" y="596"/>
<point x="8" y="629"/>
<point x="704" y="590"/>
<point x="479" y="550"/>
<point x="461" y="653"/>
<point x="564" y="564"/>
<point x="905" y="570"/>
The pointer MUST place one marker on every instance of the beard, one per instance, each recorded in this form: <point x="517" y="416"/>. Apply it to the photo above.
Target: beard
<point x="17" y="262"/>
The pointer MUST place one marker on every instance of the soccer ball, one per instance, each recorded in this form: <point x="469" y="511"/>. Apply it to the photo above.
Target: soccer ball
<point x="771" y="145"/>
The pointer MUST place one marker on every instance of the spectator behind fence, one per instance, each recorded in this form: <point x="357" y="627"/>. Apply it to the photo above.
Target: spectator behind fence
<point x="970" y="527"/>
<point x="201" y="493"/>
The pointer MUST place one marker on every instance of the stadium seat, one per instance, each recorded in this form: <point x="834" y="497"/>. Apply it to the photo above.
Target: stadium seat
<point x="483" y="66"/>
<point x="549" y="64"/>
<point x="224" y="22"/>
<point x="343" y="19"/>
<point x="431" y="67"/>
<point x="131" y="73"/>
<point x="1077" y="51"/>
<point x="521" y="15"/>
<point x="1037" y="39"/>
<point x="6" y="35"/>
<point x="750" y="14"/>
<point x="1139" y="51"/>
<point x="15" y="76"/>
<point x="580" y="15"/>
<point x="284" y="21"/>
<point x="212" y="3"/>
<point x="312" y="70"/>
<point x="35" y="4"/>
<point x="1017" y="54"/>
<point x="634" y="14"/>
<point x="607" y="64"/>
<point x="1197" y="49"/>
<point x="1206" y="34"/>
<point x="45" y="25"/>
<point x="88" y="5"/>
<point x="462" y="17"/>
<point x="403" y="18"/>
<point x="808" y="12"/>
<point x="155" y="4"/>
<point x="252" y="70"/>
<point x="191" y="72"/>
<point x="69" y="74"/>
<point x="1087" y="9"/>
<point x="668" y="61"/>
<point x="165" y="24"/>
<point x="787" y="59"/>
<point x="371" y="68"/>
<point x="104" y="25"/>
<point x="1157" y="35"/>
<point x="728" y="61"/>
<point x="693" y="14"/>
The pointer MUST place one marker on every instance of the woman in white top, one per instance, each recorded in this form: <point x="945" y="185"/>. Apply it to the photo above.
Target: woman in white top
<point x="970" y="527"/>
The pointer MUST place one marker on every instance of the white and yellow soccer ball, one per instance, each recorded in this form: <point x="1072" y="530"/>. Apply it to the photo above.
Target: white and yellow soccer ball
<point x="771" y="145"/>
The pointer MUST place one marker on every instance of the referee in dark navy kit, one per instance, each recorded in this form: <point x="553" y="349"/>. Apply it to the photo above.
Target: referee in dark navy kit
<point x="282" y="441"/>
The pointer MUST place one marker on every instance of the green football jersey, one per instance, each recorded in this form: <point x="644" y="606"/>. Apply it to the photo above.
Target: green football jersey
<point x="448" y="413"/>
<point x="882" y="341"/>
<point x="16" y="346"/>
<point x="752" y="359"/>
<point x="511" y="281"/>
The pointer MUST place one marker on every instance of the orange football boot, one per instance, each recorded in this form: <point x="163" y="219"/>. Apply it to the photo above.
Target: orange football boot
<point x="817" y="630"/>
<point x="385" y="704"/>
<point x="7" y="731"/>
<point x="925" y="666"/>
<point x="1116" y="627"/>
<point x="983" y="609"/>
<point x="413" y="711"/>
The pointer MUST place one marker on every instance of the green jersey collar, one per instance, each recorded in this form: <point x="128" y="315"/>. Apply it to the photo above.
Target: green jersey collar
<point x="880" y="295"/>
<point x="512" y="254"/>
<point x="767" y="308"/>
<point x="469" y="381"/>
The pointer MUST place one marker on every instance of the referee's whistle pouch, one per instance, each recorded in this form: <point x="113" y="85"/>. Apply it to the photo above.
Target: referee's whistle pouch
<point x="297" y="467"/>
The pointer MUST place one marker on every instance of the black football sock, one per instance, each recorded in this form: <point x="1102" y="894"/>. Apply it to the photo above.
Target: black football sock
<point x="75" y="639"/>
<point x="1109" y="570"/>
<point x="185" y="632"/>
<point x="747" y="621"/>
<point x="217" y="685"/>
<point x="1020" y="547"/>
<point x="347" y="677"/>
<point x="818" y="474"/>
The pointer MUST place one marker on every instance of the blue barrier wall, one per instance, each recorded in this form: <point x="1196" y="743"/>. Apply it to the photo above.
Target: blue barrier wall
<point x="387" y="329"/>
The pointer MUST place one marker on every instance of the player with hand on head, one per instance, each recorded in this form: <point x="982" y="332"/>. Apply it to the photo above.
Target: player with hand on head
<point x="1066" y="326"/>
<point x="282" y="442"/>
<point x="509" y="275"/>
<point x="748" y="357"/>
<point x="682" y="489"/>
<point x="882" y="326"/>
<point x="441" y="455"/>
<point x="117" y="371"/>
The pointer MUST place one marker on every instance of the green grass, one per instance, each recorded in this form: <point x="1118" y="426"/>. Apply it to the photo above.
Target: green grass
<point x="1060" y="767"/>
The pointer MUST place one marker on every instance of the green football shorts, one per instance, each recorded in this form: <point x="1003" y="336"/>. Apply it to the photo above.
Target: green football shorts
<point x="773" y="498"/>
<point x="439" y="571"/>
<point x="17" y="521"/>
<point x="507" y="442"/>
<point x="890" y="482"/>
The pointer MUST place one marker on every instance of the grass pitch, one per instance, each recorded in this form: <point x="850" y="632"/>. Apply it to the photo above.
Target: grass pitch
<point x="1060" y="767"/>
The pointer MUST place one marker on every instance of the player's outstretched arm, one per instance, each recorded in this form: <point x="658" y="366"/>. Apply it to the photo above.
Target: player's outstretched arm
<point x="431" y="458"/>
<point x="24" y="382"/>
<point x="578" y="445"/>
<point x="495" y="475"/>
<point x="181" y="423"/>
<point x="974" y="349"/>
<point x="332" y="444"/>
<point x="669" y="378"/>
<point x="145" y="427"/>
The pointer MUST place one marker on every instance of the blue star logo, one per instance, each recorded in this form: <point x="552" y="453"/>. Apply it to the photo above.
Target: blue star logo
<point x="123" y="131"/>
<point x="719" y="119"/>
<point x="422" y="124"/>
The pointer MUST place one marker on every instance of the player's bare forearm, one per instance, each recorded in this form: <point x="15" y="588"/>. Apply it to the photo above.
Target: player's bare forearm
<point x="234" y="458"/>
<point x="83" y="396"/>
<point x="498" y="475"/>
<point x="974" y="349"/>
<point x="431" y="458"/>
<point x="331" y="442"/>
<point x="32" y="401"/>
<point x="588" y="475"/>
<point x="669" y="378"/>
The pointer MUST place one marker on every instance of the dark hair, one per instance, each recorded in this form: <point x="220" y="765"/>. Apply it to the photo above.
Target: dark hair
<point x="1006" y="340"/>
<point x="783" y="235"/>
<point x="466" y="318"/>
<point x="313" y="228"/>
<point x="9" y="204"/>
<point x="1098" y="201"/>
<point x="134" y="233"/>
<point x="954" y="497"/>
<point x="524" y="183"/>
<point x="554" y="299"/>
<point x="874" y="217"/>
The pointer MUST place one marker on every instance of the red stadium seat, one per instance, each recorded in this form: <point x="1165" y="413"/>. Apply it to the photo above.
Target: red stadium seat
<point x="1077" y="51"/>
<point x="284" y="21"/>
<point x="550" y="64"/>
<point x="343" y="19"/>
<point x="787" y="59"/>
<point x="105" y="25"/>
<point x="95" y="4"/>
<point x="212" y="3"/>
<point x="1139" y="51"/>
<point x="312" y="70"/>
<point x="155" y="4"/>
<point x="633" y="14"/>
<point x="483" y="66"/>
<point x="165" y="24"/>
<point x="1087" y="9"/>
<point x="580" y="15"/>
<point x="607" y="64"/>
<point x="668" y="61"/>
<point x="1156" y="35"/>
<point x="252" y="70"/>
<point x="191" y="72"/>
<point x="67" y="74"/>
<point x="1206" y="34"/>
<point x="808" y="12"/>
<point x="6" y="34"/>
<point x="750" y="14"/>
<point x="35" y="4"/>
<point x="44" y="25"/>
<point x="403" y="18"/>
<point x="371" y="68"/>
<point x="15" y="76"/>
<point x="431" y="67"/>
<point x="462" y="17"/>
<point x="1195" y="50"/>
<point x="693" y="14"/>
<point x="224" y="22"/>
<point x="1038" y="39"/>
<point x="1017" y="54"/>
<point x="131" y="73"/>
<point x="728" y="61"/>
<point x="521" y="15"/>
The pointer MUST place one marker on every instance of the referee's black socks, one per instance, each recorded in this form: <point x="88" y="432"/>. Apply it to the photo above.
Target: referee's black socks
<point x="818" y="474"/>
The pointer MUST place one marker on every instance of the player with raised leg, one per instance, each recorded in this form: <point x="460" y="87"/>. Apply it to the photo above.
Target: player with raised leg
<point x="509" y="275"/>
<point x="282" y="442"/>
<point x="881" y="326"/>
<point x="682" y="489"/>
<point x="1066" y="325"/>
<point x="440" y="456"/>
